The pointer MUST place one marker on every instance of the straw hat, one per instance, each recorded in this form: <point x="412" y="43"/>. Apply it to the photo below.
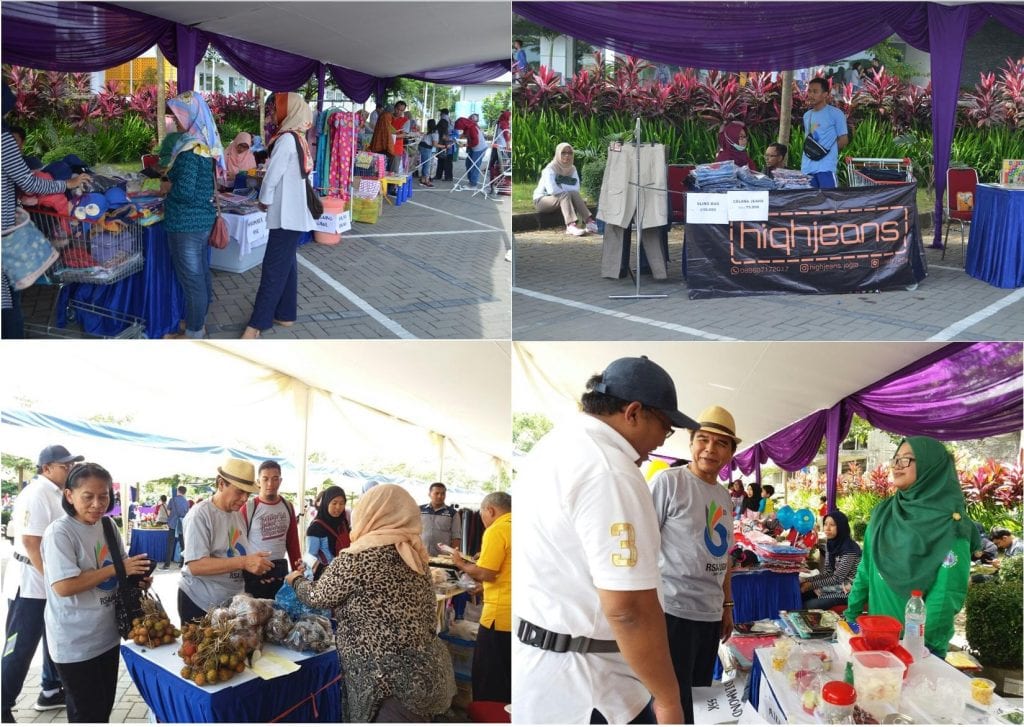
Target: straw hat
<point x="239" y="473"/>
<point x="717" y="419"/>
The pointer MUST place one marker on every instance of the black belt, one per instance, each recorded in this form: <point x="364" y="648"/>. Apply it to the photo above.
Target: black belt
<point x="532" y="635"/>
<point x="22" y="558"/>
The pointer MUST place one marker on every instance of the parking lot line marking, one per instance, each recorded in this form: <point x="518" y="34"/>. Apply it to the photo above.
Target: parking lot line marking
<point x="619" y="314"/>
<point x="458" y="217"/>
<point x="963" y="324"/>
<point x="391" y="325"/>
<point x="376" y="235"/>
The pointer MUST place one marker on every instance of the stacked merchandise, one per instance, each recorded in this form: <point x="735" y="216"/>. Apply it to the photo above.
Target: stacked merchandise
<point x="749" y="179"/>
<point x="367" y="202"/>
<point x="368" y="164"/>
<point x="791" y="179"/>
<point x="715" y="177"/>
<point x="1012" y="171"/>
<point x="775" y="556"/>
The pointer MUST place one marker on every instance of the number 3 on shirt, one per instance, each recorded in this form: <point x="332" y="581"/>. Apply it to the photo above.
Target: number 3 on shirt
<point x="628" y="544"/>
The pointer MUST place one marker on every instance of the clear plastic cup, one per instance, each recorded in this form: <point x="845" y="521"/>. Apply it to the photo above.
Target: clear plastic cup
<point x="982" y="691"/>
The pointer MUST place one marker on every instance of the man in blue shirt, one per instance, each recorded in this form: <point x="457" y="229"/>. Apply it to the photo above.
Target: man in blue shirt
<point x="177" y="509"/>
<point x="519" y="56"/>
<point x="826" y="125"/>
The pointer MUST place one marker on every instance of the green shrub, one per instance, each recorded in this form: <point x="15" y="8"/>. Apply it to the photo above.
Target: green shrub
<point x="1011" y="570"/>
<point x="995" y="621"/>
<point x="83" y="145"/>
<point x="591" y="176"/>
<point x="858" y="528"/>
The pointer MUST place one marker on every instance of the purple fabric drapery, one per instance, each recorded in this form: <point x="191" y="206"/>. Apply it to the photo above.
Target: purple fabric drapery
<point x="274" y="70"/>
<point x="188" y="52"/>
<point x="473" y="73"/>
<point x="961" y="391"/>
<point x="356" y="85"/>
<point x="737" y="36"/>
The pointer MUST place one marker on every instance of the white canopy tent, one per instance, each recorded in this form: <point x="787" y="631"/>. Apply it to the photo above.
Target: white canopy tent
<point x="379" y="38"/>
<point x="766" y="386"/>
<point x="354" y="404"/>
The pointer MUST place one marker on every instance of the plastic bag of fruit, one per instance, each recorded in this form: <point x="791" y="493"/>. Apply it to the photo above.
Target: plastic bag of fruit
<point x="276" y="630"/>
<point x="252" y="612"/>
<point x="310" y="633"/>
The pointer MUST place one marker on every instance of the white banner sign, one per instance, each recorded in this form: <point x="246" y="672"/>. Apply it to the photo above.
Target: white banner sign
<point x="706" y="209"/>
<point x="748" y="206"/>
<point x="718" y="704"/>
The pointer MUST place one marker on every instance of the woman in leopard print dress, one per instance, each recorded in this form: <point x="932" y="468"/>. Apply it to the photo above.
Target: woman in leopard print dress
<point x="395" y="667"/>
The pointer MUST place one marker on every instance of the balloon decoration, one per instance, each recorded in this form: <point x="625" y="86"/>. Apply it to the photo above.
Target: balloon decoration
<point x="785" y="515"/>
<point x="803" y="521"/>
<point x="654" y="468"/>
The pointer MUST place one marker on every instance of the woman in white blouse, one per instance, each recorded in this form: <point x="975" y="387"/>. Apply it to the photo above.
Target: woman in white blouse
<point x="559" y="188"/>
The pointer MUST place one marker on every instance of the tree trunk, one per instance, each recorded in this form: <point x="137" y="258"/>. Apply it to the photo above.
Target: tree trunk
<point x="263" y="114"/>
<point x="786" y="108"/>
<point x="161" y="99"/>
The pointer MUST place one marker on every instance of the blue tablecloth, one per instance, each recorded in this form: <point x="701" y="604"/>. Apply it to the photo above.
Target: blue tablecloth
<point x="762" y="594"/>
<point x="152" y="294"/>
<point x="995" y="249"/>
<point x="754" y="682"/>
<point x="151" y="542"/>
<point x="312" y="694"/>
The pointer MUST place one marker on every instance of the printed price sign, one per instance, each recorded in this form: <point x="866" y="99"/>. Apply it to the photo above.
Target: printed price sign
<point x="706" y="209"/>
<point x="748" y="206"/>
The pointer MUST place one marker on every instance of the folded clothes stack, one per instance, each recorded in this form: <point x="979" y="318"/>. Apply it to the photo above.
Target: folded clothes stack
<point x="749" y="179"/>
<point x="791" y="179"/>
<point x="715" y="177"/>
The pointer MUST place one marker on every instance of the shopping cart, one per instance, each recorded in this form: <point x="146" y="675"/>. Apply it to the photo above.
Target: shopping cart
<point x="867" y="172"/>
<point x="92" y="251"/>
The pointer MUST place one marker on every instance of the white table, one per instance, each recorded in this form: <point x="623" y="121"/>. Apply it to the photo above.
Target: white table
<point x="778" y="703"/>
<point x="248" y="231"/>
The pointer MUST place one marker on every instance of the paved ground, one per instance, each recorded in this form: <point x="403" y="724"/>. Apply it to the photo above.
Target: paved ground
<point x="558" y="294"/>
<point x="431" y="268"/>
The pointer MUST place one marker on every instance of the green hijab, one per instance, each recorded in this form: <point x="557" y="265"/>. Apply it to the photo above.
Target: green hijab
<point x="913" y="531"/>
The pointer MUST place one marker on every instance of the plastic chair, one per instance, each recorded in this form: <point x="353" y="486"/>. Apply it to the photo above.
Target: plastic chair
<point x="487" y="712"/>
<point x="961" y="185"/>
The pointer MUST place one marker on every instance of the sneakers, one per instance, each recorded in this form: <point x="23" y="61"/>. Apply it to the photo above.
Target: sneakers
<point x="45" y="704"/>
<point x="591" y="227"/>
<point x="574" y="231"/>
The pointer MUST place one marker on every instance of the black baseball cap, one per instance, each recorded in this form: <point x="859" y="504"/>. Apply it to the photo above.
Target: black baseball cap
<point x="57" y="453"/>
<point x="640" y="379"/>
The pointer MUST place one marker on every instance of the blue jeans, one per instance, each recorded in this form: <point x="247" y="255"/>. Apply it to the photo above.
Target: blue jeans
<point x="473" y="162"/>
<point x="190" y="254"/>
<point x="277" y="297"/>
<point x="823" y="180"/>
<point x="24" y="630"/>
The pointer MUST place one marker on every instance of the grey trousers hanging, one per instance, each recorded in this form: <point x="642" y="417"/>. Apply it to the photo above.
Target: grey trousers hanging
<point x="615" y="251"/>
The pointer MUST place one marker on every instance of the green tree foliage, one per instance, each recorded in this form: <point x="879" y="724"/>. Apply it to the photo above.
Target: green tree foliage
<point x="527" y="430"/>
<point x="493" y="105"/>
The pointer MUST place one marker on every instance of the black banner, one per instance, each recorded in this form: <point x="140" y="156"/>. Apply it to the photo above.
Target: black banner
<point x="846" y="240"/>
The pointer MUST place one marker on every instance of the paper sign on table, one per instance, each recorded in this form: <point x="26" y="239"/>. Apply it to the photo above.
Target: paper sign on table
<point x="748" y="206"/>
<point x="706" y="209"/>
<point x="269" y="666"/>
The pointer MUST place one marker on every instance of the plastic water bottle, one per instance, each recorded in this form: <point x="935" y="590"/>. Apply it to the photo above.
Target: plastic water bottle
<point x="913" y="626"/>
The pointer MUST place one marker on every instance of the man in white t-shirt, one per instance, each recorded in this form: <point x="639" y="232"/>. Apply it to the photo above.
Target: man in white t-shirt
<point x="695" y="519"/>
<point x="271" y="526"/>
<point x="591" y="642"/>
<point x="35" y="508"/>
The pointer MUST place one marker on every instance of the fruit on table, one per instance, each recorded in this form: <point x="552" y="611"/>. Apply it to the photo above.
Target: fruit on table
<point x="153" y="628"/>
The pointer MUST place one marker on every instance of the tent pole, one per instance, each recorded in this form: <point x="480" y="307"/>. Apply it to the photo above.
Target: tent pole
<point x="301" y="504"/>
<point x="161" y="99"/>
<point x="440" y="458"/>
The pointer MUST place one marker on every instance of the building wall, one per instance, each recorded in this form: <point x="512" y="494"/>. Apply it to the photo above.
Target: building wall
<point x="140" y="72"/>
<point x="987" y="51"/>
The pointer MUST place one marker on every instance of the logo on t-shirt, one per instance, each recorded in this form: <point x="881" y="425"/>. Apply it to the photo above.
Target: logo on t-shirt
<point x="234" y="547"/>
<point x="950" y="560"/>
<point x="715" y="513"/>
<point x="103" y="559"/>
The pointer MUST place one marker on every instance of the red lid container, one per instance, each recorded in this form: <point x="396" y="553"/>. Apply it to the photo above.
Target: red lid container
<point x="839" y="693"/>
<point x="880" y="632"/>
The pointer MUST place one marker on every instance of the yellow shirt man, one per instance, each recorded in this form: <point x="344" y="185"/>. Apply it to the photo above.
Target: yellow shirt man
<point x="496" y="555"/>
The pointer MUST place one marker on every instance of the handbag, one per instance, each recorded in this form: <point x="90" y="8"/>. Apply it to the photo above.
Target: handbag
<point x="26" y="251"/>
<point x="813" y="150"/>
<point x="219" y="237"/>
<point x="129" y="598"/>
<point x="313" y="203"/>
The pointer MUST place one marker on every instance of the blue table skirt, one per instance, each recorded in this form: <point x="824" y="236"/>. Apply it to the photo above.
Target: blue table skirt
<point x="754" y="682"/>
<point x="312" y="694"/>
<point x="151" y="542"/>
<point x="152" y="294"/>
<point x="762" y="594"/>
<point x="995" y="249"/>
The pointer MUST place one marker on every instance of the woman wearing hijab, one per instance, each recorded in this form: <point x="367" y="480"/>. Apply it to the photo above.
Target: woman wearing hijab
<point x="189" y="208"/>
<point x="842" y="556"/>
<point x="283" y="197"/>
<point x="238" y="157"/>
<point x="329" y="533"/>
<point x="732" y="145"/>
<point x="16" y="175"/>
<point x="752" y="501"/>
<point x="559" y="189"/>
<point x="918" y="539"/>
<point x="396" y="668"/>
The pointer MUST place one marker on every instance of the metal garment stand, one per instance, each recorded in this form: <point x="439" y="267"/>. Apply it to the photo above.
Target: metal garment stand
<point x="639" y="229"/>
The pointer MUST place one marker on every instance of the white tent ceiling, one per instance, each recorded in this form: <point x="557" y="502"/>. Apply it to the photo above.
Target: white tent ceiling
<point x="766" y="386"/>
<point x="382" y="38"/>
<point x="381" y="401"/>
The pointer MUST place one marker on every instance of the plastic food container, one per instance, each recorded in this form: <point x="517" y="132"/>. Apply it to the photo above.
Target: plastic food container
<point x="982" y="691"/>
<point x="837" y="702"/>
<point x="879" y="632"/>
<point x="879" y="678"/>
